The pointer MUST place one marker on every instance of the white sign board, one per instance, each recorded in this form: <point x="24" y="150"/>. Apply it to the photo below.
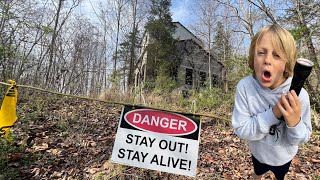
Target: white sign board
<point x="157" y="140"/>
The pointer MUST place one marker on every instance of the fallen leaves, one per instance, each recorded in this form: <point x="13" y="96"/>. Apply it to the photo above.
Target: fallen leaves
<point x="40" y="147"/>
<point x="35" y="172"/>
<point x="55" y="151"/>
<point x="12" y="157"/>
<point x="315" y="160"/>
<point x="74" y="140"/>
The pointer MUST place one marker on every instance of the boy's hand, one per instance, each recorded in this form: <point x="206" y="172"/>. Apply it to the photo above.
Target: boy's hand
<point x="289" y="107"/>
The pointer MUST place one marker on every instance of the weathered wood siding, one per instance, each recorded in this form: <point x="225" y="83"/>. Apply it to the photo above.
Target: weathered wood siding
<point x="194" y="60"/>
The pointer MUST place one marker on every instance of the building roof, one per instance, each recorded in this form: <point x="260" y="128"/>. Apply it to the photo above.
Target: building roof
<point x="205" y="51"/>
<point x="189" y="36"/>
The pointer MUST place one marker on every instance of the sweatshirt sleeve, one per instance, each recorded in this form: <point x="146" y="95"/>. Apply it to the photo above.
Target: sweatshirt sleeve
<point x="247" y="125"/>
<point x="302" y="131"/>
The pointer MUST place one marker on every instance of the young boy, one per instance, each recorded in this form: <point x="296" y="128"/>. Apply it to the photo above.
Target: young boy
<point x="263" y="98"/>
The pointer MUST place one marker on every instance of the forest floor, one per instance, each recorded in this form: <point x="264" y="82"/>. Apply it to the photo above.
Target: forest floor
<point x="67" y="138"/>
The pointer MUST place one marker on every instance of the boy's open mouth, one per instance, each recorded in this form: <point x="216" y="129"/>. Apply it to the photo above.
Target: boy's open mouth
<point x="266" y="76"/>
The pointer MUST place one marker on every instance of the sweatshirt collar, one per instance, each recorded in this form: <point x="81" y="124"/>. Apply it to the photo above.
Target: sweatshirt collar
<point x="283" y="88"/>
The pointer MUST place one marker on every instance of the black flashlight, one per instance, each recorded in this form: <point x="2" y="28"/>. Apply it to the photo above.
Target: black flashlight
<point x="302" y="70"/>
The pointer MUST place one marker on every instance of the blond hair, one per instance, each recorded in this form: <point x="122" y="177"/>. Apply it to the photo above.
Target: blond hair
<point x="283" y="44"/>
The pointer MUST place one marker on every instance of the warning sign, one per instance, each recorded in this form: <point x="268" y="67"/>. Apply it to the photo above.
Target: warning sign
<point x="157" y="140"/>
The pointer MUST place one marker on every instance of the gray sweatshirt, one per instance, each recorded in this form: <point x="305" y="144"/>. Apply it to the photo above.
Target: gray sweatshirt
<point x="252" y="118"/>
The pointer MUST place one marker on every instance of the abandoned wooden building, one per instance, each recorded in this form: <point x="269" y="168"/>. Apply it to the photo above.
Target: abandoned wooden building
<point x="193" y="71"/>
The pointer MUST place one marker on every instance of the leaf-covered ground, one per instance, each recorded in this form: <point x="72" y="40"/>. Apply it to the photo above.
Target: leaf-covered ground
<point x="68" y="138"/>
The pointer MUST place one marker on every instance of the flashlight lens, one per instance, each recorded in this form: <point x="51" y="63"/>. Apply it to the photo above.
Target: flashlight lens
<point x="305" y="62"/>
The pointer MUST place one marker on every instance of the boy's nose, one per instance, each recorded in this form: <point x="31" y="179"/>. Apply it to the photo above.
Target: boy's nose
<point x="268" y="60"/>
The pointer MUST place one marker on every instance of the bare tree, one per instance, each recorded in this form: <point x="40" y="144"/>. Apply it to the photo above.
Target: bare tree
<point x="304" y="14"/>
<point x="134" y="4"/>
<point x="105" y="23"/>
<point x="266" y="10"/>
<point x="119" y="7"/>
<point x="55" y="33"/>
<point x="53" y="40"/>
<point x="20" y="28"/>
<point x="206" y="12"/>
<point x="242" y="12"/>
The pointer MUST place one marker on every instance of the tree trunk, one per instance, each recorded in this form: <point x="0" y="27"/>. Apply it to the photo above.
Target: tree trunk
<point x="314" y="94"/>
<point x="52" y="45"/>
<point x="133" y="42"/>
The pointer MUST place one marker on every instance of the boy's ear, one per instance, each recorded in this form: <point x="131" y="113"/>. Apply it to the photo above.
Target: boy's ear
<point x="286" y="74"/>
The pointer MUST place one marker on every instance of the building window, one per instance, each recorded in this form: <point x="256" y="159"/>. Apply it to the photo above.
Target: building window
<point x="189" y="73"/>
<point x="214" y="79"/>
<point x="203" y="78"/>
<point x="174" y="73"/>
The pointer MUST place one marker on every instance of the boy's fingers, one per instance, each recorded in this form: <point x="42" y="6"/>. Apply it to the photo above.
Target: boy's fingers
<point x="285" y="102"/>
<point x="292" y="100"/>
<point x="296" y="98"/>
<point x="280" y="107"/>
<point x="294" y="94"/>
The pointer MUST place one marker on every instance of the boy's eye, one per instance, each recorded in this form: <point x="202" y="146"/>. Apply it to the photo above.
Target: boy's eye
<point x="276" y="55"/>
<point x="261" y="52"/>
